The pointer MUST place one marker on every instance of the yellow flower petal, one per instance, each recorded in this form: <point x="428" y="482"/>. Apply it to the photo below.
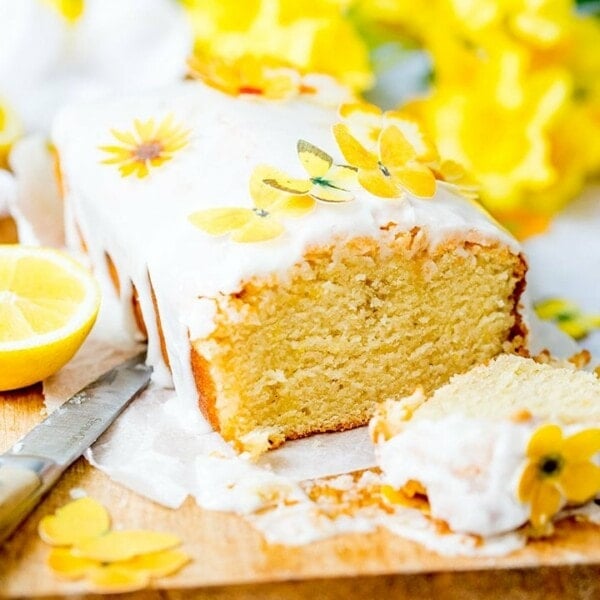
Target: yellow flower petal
<point x="394" y="149"/>
<point x="119" y="152"/>
<point x="415" y="178"/>
<point x="413" y="131"/>
<point x="365" y="121"/>
<point x="545" y="440"/>
<point x="282" y="182"/>
<point x="128" y="168"/>
<point x="452" y="171"/>
<point x="528" y="483"/>
<point x="342" y="176"/>
<point x="259" y="229"/>
<point x="263" y="195"/>
<point x="172" y="147"/>
<point x="156" y="564"/>
<point x="582" y="445"/>
<point x="125" y="137"/>
<point x="554" y="308"/>
<point x="574" y="328"/>
<point x="326" y="193"/>
<point x="546" y="501"/>
<point x="354" y="152"/>
<point x="116" y="580"/>
<point x="159" y="160"/>
<point x="141" y="169"/>
<point x="580" y="481"/>
<point x="360" y="110"/>
<point x="74" y="522"/>
<point x="313" y="159"/>
<point x="166" y="128"/>
<point x="219" y="221"/>
<point x="145" y="129"/>
<point x="122" y="545"/>
<point x="378" y="184"/>
<point x="65" y="564"/>
<point x="294" y="206"/>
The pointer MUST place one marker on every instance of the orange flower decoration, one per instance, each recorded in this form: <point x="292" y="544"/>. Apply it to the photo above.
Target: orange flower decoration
<point x="559" y="471"/>
<point x="248" y="75"/>
<point x="390" y="171"/>
<point x="148" y="146"/>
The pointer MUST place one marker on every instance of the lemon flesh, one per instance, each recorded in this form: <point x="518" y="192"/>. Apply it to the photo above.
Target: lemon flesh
<point x="48" y="304"/>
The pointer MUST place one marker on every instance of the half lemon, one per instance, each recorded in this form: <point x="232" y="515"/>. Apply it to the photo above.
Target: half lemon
<point x="48" y="304"/>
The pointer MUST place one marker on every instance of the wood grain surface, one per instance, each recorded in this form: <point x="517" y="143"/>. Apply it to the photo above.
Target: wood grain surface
<point x="232" y="561"/>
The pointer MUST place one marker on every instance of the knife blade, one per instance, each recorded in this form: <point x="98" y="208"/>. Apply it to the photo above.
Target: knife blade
<point x="33" y="465"/>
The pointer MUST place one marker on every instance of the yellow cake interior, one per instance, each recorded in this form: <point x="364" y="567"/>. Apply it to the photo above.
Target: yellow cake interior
<point x="512" y="385"/>
<point x="352" y="325"/>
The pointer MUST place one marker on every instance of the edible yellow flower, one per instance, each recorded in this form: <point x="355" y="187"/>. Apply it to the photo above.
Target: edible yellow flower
<point x="259" y="223"/>
<point x="11" y="130"/>
<point x="306" y="36"/>
<point x="367" y="121"/>
<point x="392" y="169"/>
<point x="148" y="146"/>
<point x="559" y="470"/>
<point x="79" y="520"/>
<point x="326" y="182"/>
<point x="112" y="561"/>
<point x="247" y="75"/>
<point x="568" y="316"/>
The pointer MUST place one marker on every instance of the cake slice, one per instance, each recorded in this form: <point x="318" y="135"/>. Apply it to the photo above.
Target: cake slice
<point x="282" y="296"/>
<point x="506" y="444"/>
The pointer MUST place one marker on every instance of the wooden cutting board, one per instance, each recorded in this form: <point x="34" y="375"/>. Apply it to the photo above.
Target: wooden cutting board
<point x="231" y="560"/>
<point x="226" y="550"/>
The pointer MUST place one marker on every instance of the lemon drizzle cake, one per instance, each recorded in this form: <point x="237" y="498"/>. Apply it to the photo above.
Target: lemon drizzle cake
<point x="296" y="319"/>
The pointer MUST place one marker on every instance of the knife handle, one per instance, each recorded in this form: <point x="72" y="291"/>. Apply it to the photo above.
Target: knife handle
<point x="23" y="481"/>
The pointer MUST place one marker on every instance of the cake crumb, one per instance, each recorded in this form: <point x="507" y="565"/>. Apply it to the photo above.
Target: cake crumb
<point x="521" y="416"/>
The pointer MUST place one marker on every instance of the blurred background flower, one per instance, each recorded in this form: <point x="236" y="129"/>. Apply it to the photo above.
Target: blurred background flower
<point x="57" y="51"/>
<point x="512" y="94"/>
<point x="316" y="36"/>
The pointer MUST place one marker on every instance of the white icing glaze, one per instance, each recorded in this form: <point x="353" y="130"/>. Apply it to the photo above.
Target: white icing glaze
<point x="37" y="207"/>
<point x="237" y="485"/>
<point x="144" y="227"/>
<point x="469" y="467"/>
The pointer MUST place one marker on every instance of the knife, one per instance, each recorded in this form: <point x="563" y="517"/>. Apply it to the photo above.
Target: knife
<point x="34" y="464"/>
